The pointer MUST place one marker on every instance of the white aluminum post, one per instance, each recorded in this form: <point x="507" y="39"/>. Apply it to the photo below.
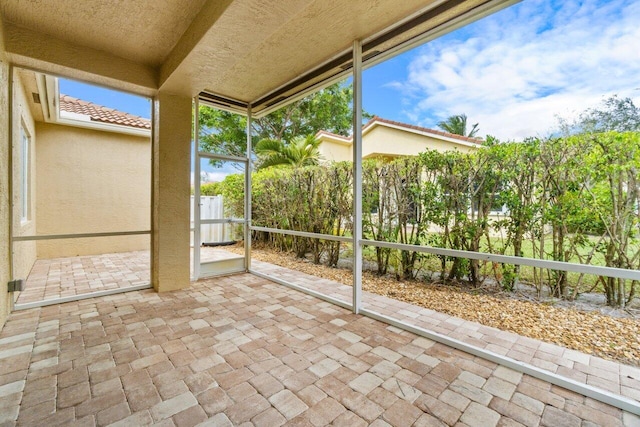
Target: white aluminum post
<point x="196" y="190"/>
<point x="247" y="197"/>
<point x="357" y="176"/>
<point x="10" y="166"/>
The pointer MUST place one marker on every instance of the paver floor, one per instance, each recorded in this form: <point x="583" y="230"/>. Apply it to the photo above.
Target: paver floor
<point x="241" y="350"/>
<point x="607" y="375"/>
<point x="56" y="278"/>
<point x="63" y="277"/>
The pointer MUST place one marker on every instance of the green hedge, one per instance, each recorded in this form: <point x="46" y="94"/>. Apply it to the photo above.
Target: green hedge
<point x="572" y="199"/>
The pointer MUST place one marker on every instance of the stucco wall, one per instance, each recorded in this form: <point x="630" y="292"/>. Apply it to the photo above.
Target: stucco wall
<point x="385" y="141"/>
<point x="89" y="182"/>
<point x="5" y="303"/>
<point x="335" y="151"/>
<point x="171" y="183"/>
<point x="24" y="253"/>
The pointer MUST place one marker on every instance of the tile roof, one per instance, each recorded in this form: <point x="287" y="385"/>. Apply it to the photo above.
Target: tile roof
<point x="377" y="119"/>
<point x="334" y="135"/>
<point x="99" y="113"/>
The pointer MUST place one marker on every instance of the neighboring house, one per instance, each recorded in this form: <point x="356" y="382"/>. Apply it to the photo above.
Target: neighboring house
<point x="388" y="139"/>
<point x="86" y="169"/>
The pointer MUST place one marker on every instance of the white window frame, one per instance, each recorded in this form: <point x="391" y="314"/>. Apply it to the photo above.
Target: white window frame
<point x="25" y="174"/>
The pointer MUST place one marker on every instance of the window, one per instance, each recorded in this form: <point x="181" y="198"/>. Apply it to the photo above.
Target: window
<point x="24" y="174"/>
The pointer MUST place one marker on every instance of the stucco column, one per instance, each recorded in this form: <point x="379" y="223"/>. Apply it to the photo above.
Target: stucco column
<point x="171" y="184"/>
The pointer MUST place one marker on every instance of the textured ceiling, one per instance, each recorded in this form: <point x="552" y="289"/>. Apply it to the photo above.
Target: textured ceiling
<point x="313" y="36"/>
<point x="241" y="49"/>
<point x="138" y="30"/>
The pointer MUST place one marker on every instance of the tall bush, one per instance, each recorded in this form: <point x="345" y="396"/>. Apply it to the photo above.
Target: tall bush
<point x="613" y="165"/>
<point x="568" y="199"/>
<point x="310" y="199"/>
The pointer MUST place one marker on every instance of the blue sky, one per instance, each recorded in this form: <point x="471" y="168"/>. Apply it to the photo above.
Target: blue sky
<point x="517" y="70"/>
<point x="132" y="104"/>
<point x="513" y="72"/>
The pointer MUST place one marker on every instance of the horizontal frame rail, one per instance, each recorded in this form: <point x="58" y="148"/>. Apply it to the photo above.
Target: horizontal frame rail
<point x="303" y="234"/>
<point x="222" y="157"/>
<point x="79" y="236"/>
<point x="596" y="393"/>
<point x="71" y="298"/>
<point x="222" y="221"/>
<point x="300" y="288"/>
<point x="620" y="273"/>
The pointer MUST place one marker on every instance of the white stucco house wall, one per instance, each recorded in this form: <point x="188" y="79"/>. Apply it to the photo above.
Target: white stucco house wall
<point x="86" y="168"/>
<point x="388" y="139"/>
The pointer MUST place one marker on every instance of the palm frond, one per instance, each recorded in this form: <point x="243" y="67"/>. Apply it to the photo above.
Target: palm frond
<point x="299" y="151"/>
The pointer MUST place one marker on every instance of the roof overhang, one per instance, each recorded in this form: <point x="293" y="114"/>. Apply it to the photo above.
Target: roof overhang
<point x="450" y="139"/>
<point x="49" y="96"/>
<point x="377" y="122"/>
<point x="338" y="139"/>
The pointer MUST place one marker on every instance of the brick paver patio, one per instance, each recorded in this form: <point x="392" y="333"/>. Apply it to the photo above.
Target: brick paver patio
<point x="614" y="377"/>
<point x="64" y="277"/>
<point x="56" y="278"/>
<point x="241" y="350"/>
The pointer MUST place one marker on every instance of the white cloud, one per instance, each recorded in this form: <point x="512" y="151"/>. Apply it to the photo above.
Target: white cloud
<point x="515" y="71"/>
<point x="214" y="176"/>
<point x="211" y="176"/>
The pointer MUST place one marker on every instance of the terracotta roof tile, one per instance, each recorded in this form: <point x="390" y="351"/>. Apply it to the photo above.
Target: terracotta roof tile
<point x="377" y="119"/>
<point x="421" y="129"/>
<point x="99" y="113"/>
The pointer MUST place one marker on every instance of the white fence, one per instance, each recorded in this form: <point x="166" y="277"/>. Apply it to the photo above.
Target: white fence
<point x="211" y="207"/>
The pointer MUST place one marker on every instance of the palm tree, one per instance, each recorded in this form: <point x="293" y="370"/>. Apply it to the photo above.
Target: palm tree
<point x="300" y="151"/>
<point x="458" y="125"/>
